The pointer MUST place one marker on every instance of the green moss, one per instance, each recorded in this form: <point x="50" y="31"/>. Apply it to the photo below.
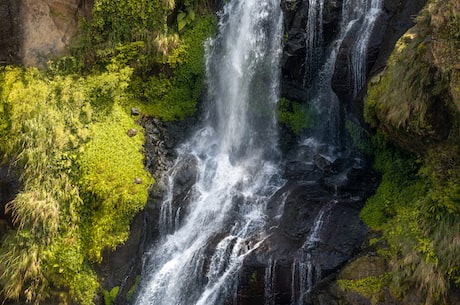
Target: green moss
<point x="294" y="115"/>
<point x="110" y="163"/>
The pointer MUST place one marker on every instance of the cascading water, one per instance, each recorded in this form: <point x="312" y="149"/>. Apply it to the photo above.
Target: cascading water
<point x="358" y="16"/>
<point x="206" y="234"/>
<point x="196" y="260"/>
<point x="314" y="40"/>
<point x="359" y="51"/>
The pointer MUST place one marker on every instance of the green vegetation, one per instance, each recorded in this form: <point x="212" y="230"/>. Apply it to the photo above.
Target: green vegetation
<point x="78" y="167"/>
<point x="416" y="208"/>
<point x="414" y="104"/>
<point x="294" y="115"/>
<point x="370" y="287"/>
<point x="65" y="132"/>
<point x="174" y="95"/>
<point x="109" y="296"/>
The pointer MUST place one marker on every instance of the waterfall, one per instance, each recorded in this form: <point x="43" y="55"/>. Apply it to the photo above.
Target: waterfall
<point x="358" y="16"/>
<point x="314" y="40"/>
<point x="208" y="229"/>
<point x="308" y="272"/>
<point x="197" y="258"/>
<point x="359" y="50"/>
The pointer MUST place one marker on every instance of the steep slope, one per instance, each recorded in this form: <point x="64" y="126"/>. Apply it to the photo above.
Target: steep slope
<point x="413" y="255"/>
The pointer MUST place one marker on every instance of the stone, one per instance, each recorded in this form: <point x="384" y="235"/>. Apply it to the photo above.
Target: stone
<point x="132" y="132"/>
<point x="34" y="31"/>
<point x="138" y="180"/>
<point x="135" y="111"/>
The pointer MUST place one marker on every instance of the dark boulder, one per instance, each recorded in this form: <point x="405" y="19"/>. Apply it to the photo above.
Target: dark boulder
<point x="10" y="34"/>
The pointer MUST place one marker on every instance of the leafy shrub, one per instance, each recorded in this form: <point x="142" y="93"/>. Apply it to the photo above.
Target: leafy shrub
<point x="174" y="96"/>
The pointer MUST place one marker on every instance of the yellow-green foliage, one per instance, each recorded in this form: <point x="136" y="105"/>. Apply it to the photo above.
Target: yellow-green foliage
<point x="110" y="164"/>
<point x="417" y="204"/>
<point x="60" y="132"/>
<point x="82" y="177"/>
<point x="109" y="296"/>
<point x="416" y="208"/>
<point x="370" y="287"/>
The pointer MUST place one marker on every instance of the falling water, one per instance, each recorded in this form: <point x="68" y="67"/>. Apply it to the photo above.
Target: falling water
<point x="206" y="234"/>
<point x="197" y="259"/>
<point x="314" y="40"/>
<point x="308" y="273"/>
<point x="359" y="16"/>
<point x="359" y="50"/>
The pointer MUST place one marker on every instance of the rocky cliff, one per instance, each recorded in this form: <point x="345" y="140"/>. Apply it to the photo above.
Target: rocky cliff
<point x="26" y="24"/>
<point x="34" y="31"/>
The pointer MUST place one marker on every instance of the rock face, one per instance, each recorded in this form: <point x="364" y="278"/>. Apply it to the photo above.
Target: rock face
<point x="294" y="55"/>
<point x="10" y="34"/>
<point x="318" y="231"/>
<point x="9" y="185"/>
<point x="397" y="17"/>
<point x="34" y="31"/>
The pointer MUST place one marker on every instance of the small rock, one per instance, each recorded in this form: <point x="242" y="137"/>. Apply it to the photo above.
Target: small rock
<point x="138" y="180"/>
<point x="135" y="111"/>
<point x="132" y="132"/>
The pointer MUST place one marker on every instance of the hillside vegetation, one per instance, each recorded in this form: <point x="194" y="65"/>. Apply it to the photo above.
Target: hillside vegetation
<point x="415" y="106"/>
<point x="64" y="131"/>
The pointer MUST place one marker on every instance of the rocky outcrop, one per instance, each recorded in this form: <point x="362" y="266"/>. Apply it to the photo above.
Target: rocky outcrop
<point x="34" y="31"/>
<point x="318" y="231"/>
<point x="293" y="84"/>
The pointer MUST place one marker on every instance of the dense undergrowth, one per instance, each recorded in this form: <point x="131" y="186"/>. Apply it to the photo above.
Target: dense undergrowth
<point x="415" y="105"/>
<point x="64" y="131"/>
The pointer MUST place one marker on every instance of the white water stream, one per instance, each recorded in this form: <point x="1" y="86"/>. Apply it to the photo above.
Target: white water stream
<point x="196" y="261"/>
<point x="205" y="239"/>
<point x="358" y="16"/>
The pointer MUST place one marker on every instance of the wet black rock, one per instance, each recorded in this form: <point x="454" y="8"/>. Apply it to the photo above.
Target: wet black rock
<point x="313" y="233"/>
<point x="396" y="19"/>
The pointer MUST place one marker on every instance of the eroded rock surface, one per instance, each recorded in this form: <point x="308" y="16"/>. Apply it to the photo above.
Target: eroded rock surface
<point x="34" y="31"/>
